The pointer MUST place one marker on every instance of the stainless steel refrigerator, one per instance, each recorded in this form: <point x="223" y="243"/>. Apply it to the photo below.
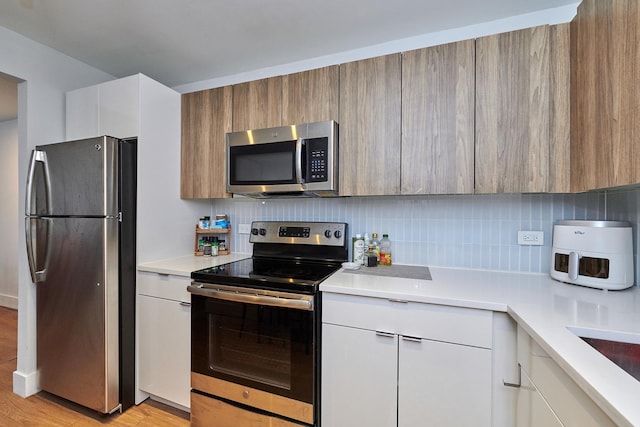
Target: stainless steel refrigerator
<point x="80" y="232"/>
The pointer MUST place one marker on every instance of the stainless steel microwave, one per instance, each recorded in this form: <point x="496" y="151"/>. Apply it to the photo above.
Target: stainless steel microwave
<point x="298" y="160"/>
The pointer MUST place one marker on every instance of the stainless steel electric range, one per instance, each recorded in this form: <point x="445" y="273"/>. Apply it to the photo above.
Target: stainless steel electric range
<point x="255" y="328"/>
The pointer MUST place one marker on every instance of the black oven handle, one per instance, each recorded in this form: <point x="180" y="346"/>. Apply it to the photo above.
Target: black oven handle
<point x="247" y="296"/>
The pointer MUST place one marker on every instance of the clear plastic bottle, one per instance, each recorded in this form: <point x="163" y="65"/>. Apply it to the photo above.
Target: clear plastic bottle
<point x="376" y="245"/>
<point x="385" y="250"/>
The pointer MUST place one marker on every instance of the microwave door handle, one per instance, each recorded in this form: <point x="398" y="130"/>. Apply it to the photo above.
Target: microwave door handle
<point x="299" y="152"/>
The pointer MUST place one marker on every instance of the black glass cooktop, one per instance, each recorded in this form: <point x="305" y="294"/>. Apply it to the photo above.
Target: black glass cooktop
<point x="269" y="273"/>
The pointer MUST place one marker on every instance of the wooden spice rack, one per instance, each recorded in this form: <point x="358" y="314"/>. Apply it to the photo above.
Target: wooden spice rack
<point x="224" y="234"/>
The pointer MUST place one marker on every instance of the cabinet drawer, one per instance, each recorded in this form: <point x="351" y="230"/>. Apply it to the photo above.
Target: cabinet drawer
<point x="428" y="321"/>
<point x="164" y="286"/>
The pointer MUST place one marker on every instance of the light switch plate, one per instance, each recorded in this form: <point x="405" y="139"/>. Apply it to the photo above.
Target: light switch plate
<point x="534" y="238"/>
<point x="244" y="228"/>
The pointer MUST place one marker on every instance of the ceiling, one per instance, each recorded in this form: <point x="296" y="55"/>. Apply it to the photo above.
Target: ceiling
<point x="183" y="41"/>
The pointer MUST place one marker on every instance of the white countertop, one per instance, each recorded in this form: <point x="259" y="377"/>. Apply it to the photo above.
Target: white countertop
<point x="183" y="266"/>
<point x="544" y="308"/>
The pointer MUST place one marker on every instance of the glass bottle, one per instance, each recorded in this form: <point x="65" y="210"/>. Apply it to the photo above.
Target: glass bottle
<point x="376" y="245"/>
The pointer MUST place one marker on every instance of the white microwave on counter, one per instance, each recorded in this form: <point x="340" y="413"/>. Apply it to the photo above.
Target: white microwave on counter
<point x="297" y="160"/>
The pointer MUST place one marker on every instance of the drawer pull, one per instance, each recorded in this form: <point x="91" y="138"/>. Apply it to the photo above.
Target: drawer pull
<point x="401" y="301"/>
<point x="385" y="334"/>
<point x="519" y="383"/>
<point x="411" y="339"/>
<point x="185" y="304"/>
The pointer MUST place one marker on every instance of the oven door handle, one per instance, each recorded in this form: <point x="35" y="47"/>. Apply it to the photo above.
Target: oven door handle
<point x="294" y="301"/>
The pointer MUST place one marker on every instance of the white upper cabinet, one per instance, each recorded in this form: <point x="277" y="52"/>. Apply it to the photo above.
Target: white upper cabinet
<point x="111" y="108"/>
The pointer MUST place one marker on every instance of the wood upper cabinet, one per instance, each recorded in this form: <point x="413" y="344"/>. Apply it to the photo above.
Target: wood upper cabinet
<point x="206" y="117"/>
<point x="518" y="82"/>
<point x="370" y="134"/>
<point x="257" y="104"/>
<point x="438" y="91"/>
<point x="560" y="110"/>
<point x="310" y="96"/>
<point x="605" y="94"/>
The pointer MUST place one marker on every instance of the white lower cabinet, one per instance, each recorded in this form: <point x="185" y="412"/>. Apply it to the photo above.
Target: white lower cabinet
<point x="389" y="363"/>
<point x="443" y="384"/>
<point x="532" y="409"/>
<point x="359" y="377"/>
<point x="164" y="337"/>
<point x="564" y="400"/>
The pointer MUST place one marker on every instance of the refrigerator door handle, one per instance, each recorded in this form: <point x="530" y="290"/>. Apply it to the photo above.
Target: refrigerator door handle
<point x="37" y="156"/>
<point x="37" y="275"/>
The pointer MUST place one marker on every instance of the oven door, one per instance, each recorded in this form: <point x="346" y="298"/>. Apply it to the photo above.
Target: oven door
<point x="261" y="340"/>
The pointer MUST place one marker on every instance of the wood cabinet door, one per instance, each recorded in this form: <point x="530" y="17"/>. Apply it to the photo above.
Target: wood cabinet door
<point x="359" y="377"/>
<point x="438" y="91"/>
<point x="443" y="384"/>
<point x="512" y="112"/>
<point x="605" y="94"/>
<point x="560" y="109"/>
<point x="206" y="117"/>
<point x="310" y="96"/>
<point x="257" y="104"/>
<point x="370" y="134"/>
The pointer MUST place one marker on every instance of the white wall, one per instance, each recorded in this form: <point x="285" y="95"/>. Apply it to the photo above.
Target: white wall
<point x="47" y="76"/>
<point x="9" y="214"/>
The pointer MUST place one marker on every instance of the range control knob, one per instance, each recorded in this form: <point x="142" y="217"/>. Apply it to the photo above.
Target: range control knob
<point x="337" y="234"/>
<point x="254" y="231"/>
<point x="263" y="232"/>
<point x="327" y="234"/>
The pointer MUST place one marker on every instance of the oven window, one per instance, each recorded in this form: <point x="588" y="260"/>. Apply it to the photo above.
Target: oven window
<point x="264" y="347"/>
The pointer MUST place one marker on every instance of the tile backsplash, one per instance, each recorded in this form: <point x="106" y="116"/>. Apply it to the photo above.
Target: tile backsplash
<point x="470" y="231"/>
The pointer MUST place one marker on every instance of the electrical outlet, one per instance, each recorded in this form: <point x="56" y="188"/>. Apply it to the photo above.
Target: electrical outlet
<point x="244" y="228"/>
<point x="535" y="238"/>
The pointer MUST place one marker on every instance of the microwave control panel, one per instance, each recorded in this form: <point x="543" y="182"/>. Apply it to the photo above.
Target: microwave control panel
<point x="317" y="149"/>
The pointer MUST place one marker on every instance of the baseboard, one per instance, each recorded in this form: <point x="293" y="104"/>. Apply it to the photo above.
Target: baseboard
<point x="25" y="385"/>
<point x="170" y="403"/>
<point x="9" y="301"/>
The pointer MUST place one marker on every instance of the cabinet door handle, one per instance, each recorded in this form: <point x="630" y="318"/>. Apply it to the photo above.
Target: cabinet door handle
<point x="401" y="301"/>
<point x="411" y="339"/>
<point x="519" y="383"/>
<point x="385" y="334"/>
<point x="185" y="304"/>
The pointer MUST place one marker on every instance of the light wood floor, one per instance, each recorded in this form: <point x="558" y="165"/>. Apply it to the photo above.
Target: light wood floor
<point x="44" y="409"/>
